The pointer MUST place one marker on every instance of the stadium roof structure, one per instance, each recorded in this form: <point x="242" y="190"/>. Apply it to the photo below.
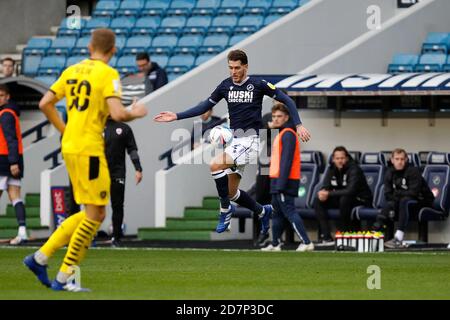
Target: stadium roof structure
<point x="366" y="84"/>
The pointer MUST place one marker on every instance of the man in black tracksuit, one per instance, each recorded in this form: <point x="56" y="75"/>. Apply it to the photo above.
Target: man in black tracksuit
<point x="344" y="187"/>
<point x="154" y="76"/>
<point x="118" y="138"/>
<point x="404" y="187"/>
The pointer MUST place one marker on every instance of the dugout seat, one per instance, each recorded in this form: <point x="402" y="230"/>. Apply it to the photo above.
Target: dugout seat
<point x="430" y="62"/>
<point x="436" y="42"/>
<point x="403" y="63"/>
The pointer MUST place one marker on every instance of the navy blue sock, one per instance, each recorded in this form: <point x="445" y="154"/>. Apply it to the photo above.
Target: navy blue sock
<point x="243" y="199"/>
<point x="221" y="180"/>
<point x="20" y="212"/>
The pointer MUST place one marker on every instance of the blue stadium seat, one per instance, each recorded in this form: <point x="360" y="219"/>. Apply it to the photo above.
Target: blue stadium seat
<point x="157" y="4"/>
<point x="30" y="64"/>
<point x="403" y="63"/>
<point x="165" y="51"/>
<point x="175" y="72"/>
<point x="81" y="46"/>
<point x="219" y="30"/>
<point x="37" y="46"/>
<point x="62" y="46"/>
<point x="181" y="60"/>
<point x="251" y="20"/>
<point x="113" y="61"/>
<point x="314" y="156"/>
<point x="182" y="4"/>
<point x="236" y="39"/>
<point x="210" y="12"/>
<point x="174" y="22"/>
<point x="160" y="59"/>
<point x="48" y="80"/>
<point x="108" y="5"/>
<point x="66" y="32"/>
<point x="230" y="11"/>
<point x="130" y="7"/>
<point x="431" y="62"/>
<point x="279" y="10"/>
<point x="224" y="21"/>
<point x="168" y="31"/>
<point x="362" y="213"/>
<point x="98" y="13"/>
<point x="178" y="12"/>
<point x="205" y="50"/>
<point x="126" y="64"/>
<point x="203" y="58"/>
<point x="208" y="4"/>
<point x="122" y="25"/>
<point x="190" y="41"/>
<point x="259" y="3"/>
<point x="52" y="65"/>
<point x="165" y="41"/>
<point x="446" y="66"/>
<point x="292" y="4"/>
<point x="233" y="3"/>
<point x="271" y="18"/>
<point x="254" y="11"/>
<point x="74" y="59"/>
<point x="199" y="22"/>
<point x="246" y="30"/>
<point x="95" y="23"/>
<point x="148" y="22"/>
<point x="308" y="181"/>
<point x="216" y="41"/>
<point x="436" y="42"/>
<point x="136" y="44"/>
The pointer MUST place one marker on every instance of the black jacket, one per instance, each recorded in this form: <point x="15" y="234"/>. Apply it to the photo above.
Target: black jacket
<point x="283" y="184"/>
<point x="118" y="138"/>
<point x="155" y="78"/>
<point x="406" y="183"/>
<point x="350" y="181"/>
<point x="8" y="124"/>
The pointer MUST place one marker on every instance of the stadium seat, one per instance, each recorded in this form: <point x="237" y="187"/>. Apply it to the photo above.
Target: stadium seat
<point x="203" y="58"/>
<point x="181" y="60"/>
<point x="165" y="41"/>
<point x="446" y="66"/>
<point x="30" y="64"/>
<point x="271" y="18"/>
<point x="436" y="42"/>
<point x="259" y="3"/>
<point x="207" y="4"/>
<point x="216" y="41"/>
<point x="68" y="32"/>
<point x="251" y="20"/>
<point x="52" y="65"/>
<point x="182" y="4"/>
<point x="430" y="62"/>
<point x="175" y="72"/>
<point x="103" y="13"/>
<point x="122" y="25"/>
<point x="308" y="181"/>
<point x="210" y="12"/>
<point x="254" y="11"/>
<point x="62" y="46"/>
<point x="146" y="26"/>
<point x="291" y="4"/>
<point x="199" y="22"/>
<point x="315" y="157"/>
<point x="403" y="63"/>
<point x="160" y="59"/>
<point x="224" y="21"/>
<point x="174" y="22"/>
<point x="167" y="51"/>
<point x="37" y="46"/>
<point x="219" y="30"/>
<point x="95" y="23"/>
<point x="74" y="59"/>
<point x="136" y="44"/>
<point x="190" y="41"/>
<point x="113" y="61"/>
<point x="72" y="23"/>
<point x="236" y="39"/>
<point x="247" y="30"/>
<point x="205" y="50"/>
<point x="233" y="4"/>
<point x="108" y="5"/>
<point x="130" y="8"/>
<point x="126" y="64"/>
<point x="362" y="213"/>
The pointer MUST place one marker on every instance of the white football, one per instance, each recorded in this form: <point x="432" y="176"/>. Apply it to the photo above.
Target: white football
<point x="220" y="135"/>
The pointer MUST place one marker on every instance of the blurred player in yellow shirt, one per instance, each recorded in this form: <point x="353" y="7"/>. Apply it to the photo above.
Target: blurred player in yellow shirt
<point x="92" y="90"/>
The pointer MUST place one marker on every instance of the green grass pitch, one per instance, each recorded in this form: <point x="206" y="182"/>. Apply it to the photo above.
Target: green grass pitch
<point x="216" y="274"/>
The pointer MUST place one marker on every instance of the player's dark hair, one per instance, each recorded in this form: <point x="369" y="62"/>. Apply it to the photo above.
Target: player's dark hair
<point x="341" y="149"/>
<point x="238" y="55"/>
<point x="4" y="88"/>
<point x="280" y="107"/>
<point x="9" y="59"/>
<point x="142" y="56"/>
<point x="103" y="40"/>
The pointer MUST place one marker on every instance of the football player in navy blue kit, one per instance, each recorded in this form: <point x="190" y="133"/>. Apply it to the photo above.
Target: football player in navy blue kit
<point x="244" y="96"/>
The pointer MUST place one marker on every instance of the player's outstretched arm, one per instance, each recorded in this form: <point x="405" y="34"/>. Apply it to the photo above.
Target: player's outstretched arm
<point x="121" y="114"/>
<point x="168" y="116"/>
<point x="48" y="107"/>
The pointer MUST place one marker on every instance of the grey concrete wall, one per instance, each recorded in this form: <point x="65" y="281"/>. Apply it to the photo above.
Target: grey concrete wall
<point x="22" y="19"/>
<point x="404" y="33"/>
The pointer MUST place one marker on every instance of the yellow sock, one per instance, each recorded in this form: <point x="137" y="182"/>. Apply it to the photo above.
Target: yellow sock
<point x="79" y="243"/>
<point x="62" y="235"/>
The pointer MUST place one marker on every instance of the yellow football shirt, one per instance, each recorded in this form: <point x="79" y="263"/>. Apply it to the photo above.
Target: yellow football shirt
<point x="86" y="86"/>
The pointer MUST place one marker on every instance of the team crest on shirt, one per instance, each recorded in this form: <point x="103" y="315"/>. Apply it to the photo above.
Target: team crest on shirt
<point x="250" y="87"/>
<point x="119" y="131"/>
<point x="103" y="194"/>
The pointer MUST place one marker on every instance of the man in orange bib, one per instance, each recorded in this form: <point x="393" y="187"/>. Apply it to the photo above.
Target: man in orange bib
<point x="285" y="180"/>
